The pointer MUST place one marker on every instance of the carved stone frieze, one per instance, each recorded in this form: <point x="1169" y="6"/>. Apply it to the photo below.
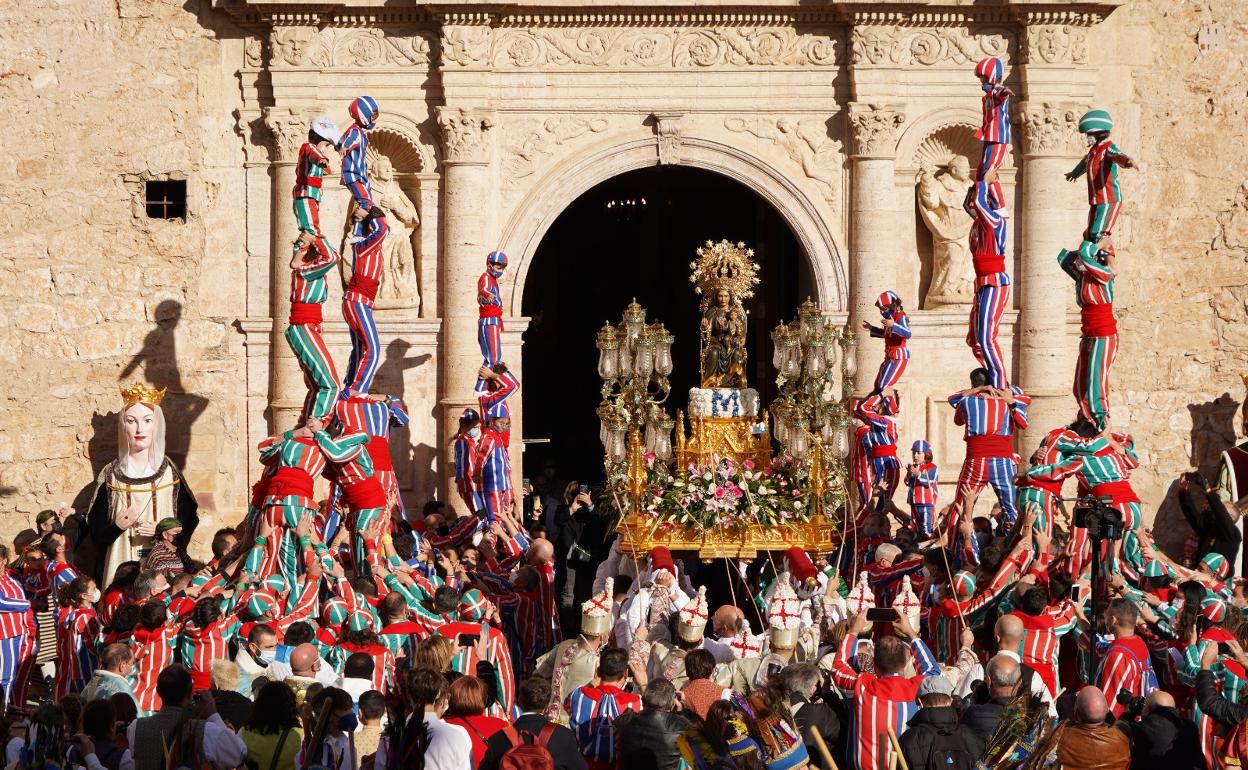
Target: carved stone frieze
<point x="465" y="134"/>
<point x="466" y="46"/>
<point x="294" y="47"/>
<point x="1049" y="129"/>
<point x="924" y="46"/>
<point x="287" y="130"/>
<point x="663" y="48"/>
<point x="529" y="145"/>
<point x="875" y="129"/>
<point x="1054" y="44"/>
<point x="807" y="144"/>
<point x="668" y="131"/>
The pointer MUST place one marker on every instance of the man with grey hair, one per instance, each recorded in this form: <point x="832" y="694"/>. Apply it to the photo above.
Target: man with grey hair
<point x="932" y="737"/>
<point x="113" y="674"/>
<point x="1004" y="675"/>
<point x="801" y="682"/>
<point x="148" y="585"/>
<point x="647" y="738"/>
<point x="1088" y="743"/>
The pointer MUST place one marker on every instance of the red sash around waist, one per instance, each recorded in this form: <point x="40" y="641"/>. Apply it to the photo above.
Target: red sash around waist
<point x="1052" y="487"/>
<point x="990" y="446"/>
<point x="362" y="284"/>
<point x="364" y="494"/>
<point x="1097" y="321"/>
<point x="987" y="264"/>
<point x="1118" y="491"/>
<point x="311" y="181"/>
<point x="379" y="449"/>
<point x="888" y="450"/>
<point x="288" y="482"/>
<point x="491" y="311"/>
<point x="305" y="313"/>
<point x="259" y="491"/>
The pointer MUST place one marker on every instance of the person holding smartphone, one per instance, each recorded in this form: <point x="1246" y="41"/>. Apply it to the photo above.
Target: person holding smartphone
<point x="577" y="539"/>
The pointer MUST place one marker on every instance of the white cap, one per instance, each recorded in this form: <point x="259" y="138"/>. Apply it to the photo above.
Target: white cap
<point x="326" y="128"/>
<point x="691" y="622"/>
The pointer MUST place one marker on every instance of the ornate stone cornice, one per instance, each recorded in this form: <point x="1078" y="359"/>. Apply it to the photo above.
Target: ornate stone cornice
<point x="875" y="129"/>
<point x="884" y="45"/>
<point x="287" y="130"/>
<point x="298" y="47"/>
<point x="466" y="41"/>
<point x="1054" y="44"/>
<point x="465" y="135"/>
<point x="1049" y="129"/>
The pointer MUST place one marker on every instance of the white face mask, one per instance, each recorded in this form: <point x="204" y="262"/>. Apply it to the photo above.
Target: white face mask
<point x="95" y="596"/>
<point x="475" y="432"/>
<point x="1091" y="140"/>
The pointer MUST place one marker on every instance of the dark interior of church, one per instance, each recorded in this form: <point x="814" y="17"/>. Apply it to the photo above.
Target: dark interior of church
<point x="634" y="236"/>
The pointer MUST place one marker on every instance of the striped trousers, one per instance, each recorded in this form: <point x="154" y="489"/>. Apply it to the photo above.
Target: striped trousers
<point x="496" y="500"/>
<point x="361" y="520"/>
<point x="365" y="346"/>
<point x="19" y="695"/>
<point x="11" y="663"/>
<point x="471" y="496"/>
<point x="1042" y="502"/>
<point x="318" y="369"/>
<point x="490" y="338"/>
<point x="985" y="324"/>
<point x="923" y="516"/>
<point x="308" y="216"/>
<point x="1101" y="220"/>
<point x="997" y="472"/>
<point x="890" y="373"/>
<point x="994" y="156"/>
<point x="885" y="471"/>
<point x="1091" y="388"/>
<point x="281" y="550"/>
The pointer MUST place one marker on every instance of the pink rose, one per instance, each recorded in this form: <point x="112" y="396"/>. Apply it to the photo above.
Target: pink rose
<point x="749" y="464"/>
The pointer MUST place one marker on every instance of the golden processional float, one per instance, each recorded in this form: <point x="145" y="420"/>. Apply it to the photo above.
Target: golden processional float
<point x="720" y="488"/>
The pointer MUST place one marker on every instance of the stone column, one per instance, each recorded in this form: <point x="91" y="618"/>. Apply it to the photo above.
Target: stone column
<point x="1047" y="222"/>
<point x="288" y="127"/>
<point x="466" y="192"/>
<point x="872" y="225"/>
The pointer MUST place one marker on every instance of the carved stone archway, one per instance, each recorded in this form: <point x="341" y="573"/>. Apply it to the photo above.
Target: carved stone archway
<point x="542" y="204"/>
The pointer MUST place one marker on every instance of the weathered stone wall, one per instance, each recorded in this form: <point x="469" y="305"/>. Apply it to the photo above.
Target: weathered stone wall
<point x="99" y="97"/>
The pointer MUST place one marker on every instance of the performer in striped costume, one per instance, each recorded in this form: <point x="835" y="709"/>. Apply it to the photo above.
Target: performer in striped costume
<point x="995" y="130"/>
<point x="922" y="481"/>
<point x="310" y="170"/>
<point x="497" y="654"/>
<point x="308" y="293"/>
<point x="494" y="468"/>
<point x="593" y="708"/>
<point x="155" y="640"/>
<point x="376" y="416"/>
<point x="78" y="636"/>
<point x="1101" y="167"/>
<point x="358" y="301"/>
<point x="350" y="471"/>
<point x="1093" y="274"/>
<point x="296" y="458"/>
<point x="1126" y="666"/>
<point x="1103" y="466"/>
<point x="992" y="284"/>
<point x="494" y="386"/>
<point x="879" y="443"/>
<point x="1229" y="676"/>
<point x="895" y="330"/>
<point x="207" y="638"/>
<point x="1043" y="625"/>
<point x="354" y="150"/>
<point x="466" y="470"/>
<point x="991" y="416"/>
<point x="16" y="629"/>
<point x="490" y="310"/>
<point x="1040" y="488"/>
<point x="881" y="700"/>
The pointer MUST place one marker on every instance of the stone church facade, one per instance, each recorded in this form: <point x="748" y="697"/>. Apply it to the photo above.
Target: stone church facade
<point x="849" y="118"/>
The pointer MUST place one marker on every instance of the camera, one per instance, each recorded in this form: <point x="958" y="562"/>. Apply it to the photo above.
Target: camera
<point x="1133" y="705"/>
<point x="1102" y="521"/>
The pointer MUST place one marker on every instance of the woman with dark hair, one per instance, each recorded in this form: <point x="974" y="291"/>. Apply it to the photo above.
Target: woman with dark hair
<point x="121" y="627"/>
<point x="330" y="743"/>
<point x="580" y="536"/>
<point x="125" y="711"/>
<point x="96" y="746"/>
<point x="466" y="699"/>
<point x="272" y="735"/>
<point x="119" y="592"/>
<point x="77" y="636"/>
<point x="417" y="738"/>
<point x="706" y="746"/>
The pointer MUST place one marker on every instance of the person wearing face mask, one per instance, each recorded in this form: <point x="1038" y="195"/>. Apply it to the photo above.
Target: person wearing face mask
<point x="490" y="309"/>
<point x="154" y="641"/>
<point x="165" y="557"/>
<point x="78" y="634"/>
<point x="113" y="675"/>
<point x="254" y="657"/>
<point x="465" y="445"/>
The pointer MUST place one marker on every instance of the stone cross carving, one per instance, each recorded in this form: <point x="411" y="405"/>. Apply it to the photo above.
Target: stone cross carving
<point x="668" y="131"/>
<point x="940" y="195"/>
<point x="875" y="129"/>
<point x="1049" y="129"/>
<point x="289" y="129"/>
<point x="464" y="134"/>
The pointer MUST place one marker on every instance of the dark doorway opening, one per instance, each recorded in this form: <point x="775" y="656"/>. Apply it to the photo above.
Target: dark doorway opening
<point x="634" y="236"/>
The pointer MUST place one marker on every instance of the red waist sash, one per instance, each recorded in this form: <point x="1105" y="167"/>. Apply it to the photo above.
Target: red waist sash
<point x="287" y="482"/>
<point x="1097" y="321"/>
<point x="990" y="446"/>
<point x="1118" y="491"/>
<point x="311" y="181"/>
<point x="987" y="264"/>
<point x="491" y="311"/>
<point x="362" y="284"/>
<point x="379" y="449"/>
<point x="305" y="313"/>
<point x="1052" y="487"/>
<point x="888" y="450"/>
<point x="363" y="494"/>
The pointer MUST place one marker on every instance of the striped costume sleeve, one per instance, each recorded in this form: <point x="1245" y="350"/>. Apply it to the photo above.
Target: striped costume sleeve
<point x="901" y="327"/>
<point x="1080" y="168"/>
<point x="1115" y="155"/>
<point x="343" y="448"/>
<point x="1070" y="444"/>
<point x="929" y="477"/>
<point x="11" y="604"/>
<point x="875" y="331"/>
<point x="398" y="412"/>
<point x="1094" y="271"/>
<point x="1064" y="618"/>
<point x="1066" y="259"/>
<point x="1018" y="409"/>
<point x="924" y="661"/>
<point x="270" y="447"/>
<point x="1117" y="674"/>
<point x="865" y="411"/>
<point x="844" y="664"/>
<point x="353" y="161"/>
<point x="313" y="269"/>
<point x="1054" y="472"/>
<point x="958" y="402"/>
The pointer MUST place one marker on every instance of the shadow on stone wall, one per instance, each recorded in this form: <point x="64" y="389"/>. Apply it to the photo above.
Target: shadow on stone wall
<point x="415" y="463"/>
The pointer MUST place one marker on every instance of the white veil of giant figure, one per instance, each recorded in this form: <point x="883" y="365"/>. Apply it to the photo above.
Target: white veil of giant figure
<point x="138" y="489"/>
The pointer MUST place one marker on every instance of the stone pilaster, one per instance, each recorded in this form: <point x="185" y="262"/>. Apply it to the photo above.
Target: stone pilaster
<point x="288" y="128"/>
<point x="466" y="155"/>
<point x="874" y="129"/>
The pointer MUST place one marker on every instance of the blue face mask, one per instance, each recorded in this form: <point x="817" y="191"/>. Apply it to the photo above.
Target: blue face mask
<point x="348" y="722"/>
<point x="266" y="656"/>
<point x="475" y="432"/>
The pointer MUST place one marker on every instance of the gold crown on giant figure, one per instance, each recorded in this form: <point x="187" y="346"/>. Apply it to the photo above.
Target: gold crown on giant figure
<point x="724" y="265"/>
<point x="140" y="393"/>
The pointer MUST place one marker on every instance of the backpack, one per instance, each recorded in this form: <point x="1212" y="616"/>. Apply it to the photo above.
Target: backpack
<point x="528" y="752"/>
<point x="597" y="736"/>
<point x="949" y="752"/>
<point x="1148" y="676"/>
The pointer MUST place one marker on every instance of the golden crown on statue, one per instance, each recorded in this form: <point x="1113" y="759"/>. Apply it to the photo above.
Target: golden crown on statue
<point x="724" y="265"/>
<point x="140" y="393"/>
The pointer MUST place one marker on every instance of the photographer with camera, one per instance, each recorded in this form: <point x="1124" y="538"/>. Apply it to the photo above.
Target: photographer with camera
<point x="1161" y="738"/>
<point x="1216" y="527"/>
<point x="582" y="530"/>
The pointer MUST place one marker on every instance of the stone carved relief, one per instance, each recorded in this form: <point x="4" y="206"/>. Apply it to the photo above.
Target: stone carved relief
<point x="1054" y="44"/>
<point x="335" y="47"/>
<point x="668" y="132"/>
<point x="875" y="128"/>
<point x="253" y="53"/>
<point x="464" y="134"/>
<point x="924" y="46"/>
<point x="465" y="46"/>
<point x="537" y="48"/>
<point x="944" y="160"/>
<point x="805" y="142"/>
<point x="288" y="129"/>
<point x="1049" y="128"/>
<point x="525" y="155"/>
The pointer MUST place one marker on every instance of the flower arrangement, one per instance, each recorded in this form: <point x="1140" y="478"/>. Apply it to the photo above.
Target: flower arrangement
<point x="726" y="495"/>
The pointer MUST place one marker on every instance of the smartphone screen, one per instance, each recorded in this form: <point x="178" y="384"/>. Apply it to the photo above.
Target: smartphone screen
<point x="584" y="489"/>
<point x="882" y="615"/>
<point x="468" y="640"/>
